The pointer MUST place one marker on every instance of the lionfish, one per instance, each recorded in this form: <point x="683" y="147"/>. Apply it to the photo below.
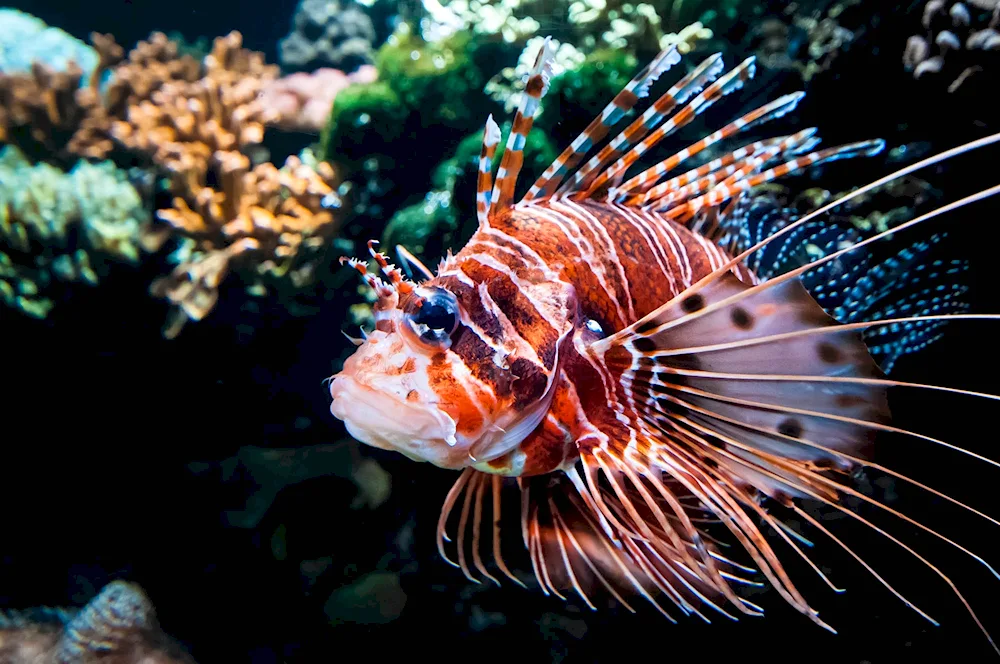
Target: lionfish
<point x="619" y="348"/>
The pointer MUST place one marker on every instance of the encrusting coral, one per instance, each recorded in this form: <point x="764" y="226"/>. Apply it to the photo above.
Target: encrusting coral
<point x="25" y="39"/>
<point x="303" y="102"/>
<point x="65" y="226"/>
<point x="118" y="626"/>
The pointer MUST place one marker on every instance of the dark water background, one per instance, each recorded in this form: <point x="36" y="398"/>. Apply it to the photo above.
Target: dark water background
<point x="102" y="419"/>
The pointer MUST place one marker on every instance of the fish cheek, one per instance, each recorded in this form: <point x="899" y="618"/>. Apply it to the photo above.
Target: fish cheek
<point x="530" y="383"/>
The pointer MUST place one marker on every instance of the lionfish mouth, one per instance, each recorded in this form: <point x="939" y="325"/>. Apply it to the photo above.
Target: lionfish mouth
<point x="418" y="431"/>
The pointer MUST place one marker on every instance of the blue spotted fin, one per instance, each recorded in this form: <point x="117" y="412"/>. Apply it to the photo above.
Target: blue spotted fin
<point x="855" y="287"/>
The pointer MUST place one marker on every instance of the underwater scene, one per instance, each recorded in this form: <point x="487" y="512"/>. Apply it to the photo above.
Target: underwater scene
<point x="499" y="330"/>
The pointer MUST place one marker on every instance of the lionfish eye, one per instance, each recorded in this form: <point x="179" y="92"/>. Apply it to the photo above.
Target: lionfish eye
<point x="432" y="314"/>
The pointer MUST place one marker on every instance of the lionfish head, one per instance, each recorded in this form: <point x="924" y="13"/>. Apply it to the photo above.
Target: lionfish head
<point x="405" y="389"/>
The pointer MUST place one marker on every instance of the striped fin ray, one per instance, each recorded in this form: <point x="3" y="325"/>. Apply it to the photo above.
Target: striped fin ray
<point x="727" y="84"/>
<point x="771" y="111"/>
<point x="513" y="154"/>
<point x="724" y="192"/>
<point x="735" y="165"/>
<point x="915" y="281"/>
<point x="472" y="485"/>
<point x="484" y="183"/>
<point x="771" y="390"/>
<point x="599" y="127"/>
<point x="703" y="74"/>
<point x="783" y="438"/>
<point x="603" y="528"/>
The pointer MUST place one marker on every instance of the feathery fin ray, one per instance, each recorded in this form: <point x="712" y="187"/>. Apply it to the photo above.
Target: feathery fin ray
<point x="718" y="422"/>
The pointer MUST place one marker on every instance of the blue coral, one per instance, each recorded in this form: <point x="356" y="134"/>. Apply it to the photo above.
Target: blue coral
<point x="25" y="39"/>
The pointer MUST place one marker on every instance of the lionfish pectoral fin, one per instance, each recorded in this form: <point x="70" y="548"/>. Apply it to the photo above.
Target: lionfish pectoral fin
<point x="598" y="545"/>
<point x="760" y="391"/>
<point x="704" y="362"/>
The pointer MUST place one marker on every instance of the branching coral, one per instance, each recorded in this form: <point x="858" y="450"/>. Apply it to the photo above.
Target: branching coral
<point x="960" y="44"/>
<point x="192" y="121"/>
<point x="273" y="224"/>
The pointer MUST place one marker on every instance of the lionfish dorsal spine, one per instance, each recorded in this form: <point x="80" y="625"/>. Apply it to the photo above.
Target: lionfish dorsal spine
<point x="484" y="181"/>
<point x="599" y="127"/>
<point x="725" y="85"/>
<point x="770" y="111"/>
<point x="694" y="82"/>
<point x="513" y="155"/>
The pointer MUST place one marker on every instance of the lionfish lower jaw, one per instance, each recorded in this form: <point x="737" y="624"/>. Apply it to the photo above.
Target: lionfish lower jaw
<point x="421" y="432"/>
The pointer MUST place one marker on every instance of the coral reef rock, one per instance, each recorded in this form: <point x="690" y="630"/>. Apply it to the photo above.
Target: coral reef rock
<point x="117" y="627"/>
<point x="65" y="226"/>
<point x="959" y="46"/>
<point x="327" y="33"/>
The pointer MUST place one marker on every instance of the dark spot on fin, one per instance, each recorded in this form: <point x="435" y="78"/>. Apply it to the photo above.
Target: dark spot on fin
<point x="647" y="327"/>
<point x="791" y="428"/>
<point x="644" y="344"/>
<point x="693" y="303"/>
<point x="829" y="353"/>
<point x="741" y="318"/>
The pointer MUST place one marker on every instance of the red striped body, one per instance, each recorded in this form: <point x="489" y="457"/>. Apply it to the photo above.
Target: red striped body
<point x="619" y="264"/>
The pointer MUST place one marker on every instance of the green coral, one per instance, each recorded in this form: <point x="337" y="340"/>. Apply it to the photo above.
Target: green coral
<point x="366" y="119"/>
<point x="69" y="227"/>
<point x="436" y="78"/>
<point x="427" y="93"/>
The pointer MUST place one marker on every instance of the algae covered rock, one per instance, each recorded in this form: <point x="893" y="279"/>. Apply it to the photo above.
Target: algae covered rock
<point x="428" y="95"/>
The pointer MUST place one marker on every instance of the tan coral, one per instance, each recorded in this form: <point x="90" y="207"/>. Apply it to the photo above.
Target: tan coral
<point x="194" y="121"/>
<point x="271" y="223"/>
<point x="39" y="107"/>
